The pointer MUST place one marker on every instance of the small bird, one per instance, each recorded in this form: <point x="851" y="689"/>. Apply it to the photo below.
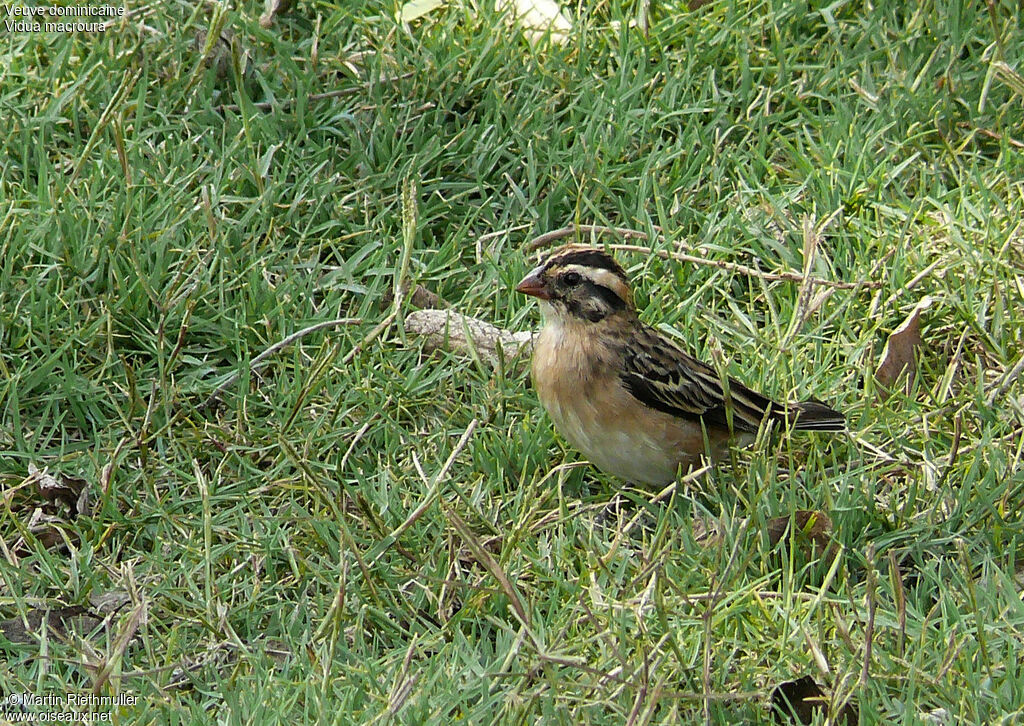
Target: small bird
<point x="625" y="395"/>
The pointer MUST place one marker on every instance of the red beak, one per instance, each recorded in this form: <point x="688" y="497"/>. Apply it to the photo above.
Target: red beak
<point x="533" y="285"/>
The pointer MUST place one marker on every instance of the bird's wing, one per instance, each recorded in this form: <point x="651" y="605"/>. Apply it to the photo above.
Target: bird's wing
<point x="659" y="374"/>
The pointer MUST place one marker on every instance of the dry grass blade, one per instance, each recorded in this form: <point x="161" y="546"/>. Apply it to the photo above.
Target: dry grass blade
<point x="481" y="555"/>
<point x="124" y="636"/>
<point x="806" y="301"/>
<point x="1006" y="381"/>
<point x="869" y="630"/>
<point x="548" y="238"/>
<point x="749" y="271"/>
<point x="283" y="343"/>
<point x="404" y="683"/>
<point x="433" y="487"/>
<point x="901" y="601"/>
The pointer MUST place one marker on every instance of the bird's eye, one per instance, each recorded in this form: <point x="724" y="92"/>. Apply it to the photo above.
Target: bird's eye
<point x="572" y="279"/>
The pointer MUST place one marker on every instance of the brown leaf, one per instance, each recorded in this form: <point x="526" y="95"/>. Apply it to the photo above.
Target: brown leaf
<point x="419" y="297"/>
<point x="900" y="349"/>
<point x="69" y="491"/>
<point x="217" y="51"/>
<point x="46" y="529"/>
<point x="796" y="701"/>
<point x="49" y="532"/>
<point x="273" y="8"/>
<point x="813" y="536"/>
<point x="110" y="601"/>
<point x="60" y="621"/>
<point x="49" y="502"/>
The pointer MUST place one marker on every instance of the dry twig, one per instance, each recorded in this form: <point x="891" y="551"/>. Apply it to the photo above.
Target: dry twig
<point x="449" y="330"/>
<point x="546" y="239"/>
<point x="283" y="343"/>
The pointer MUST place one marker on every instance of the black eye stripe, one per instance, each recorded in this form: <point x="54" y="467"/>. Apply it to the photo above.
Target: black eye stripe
<point x="595" y="304"/>
<point x="608" y="296"/>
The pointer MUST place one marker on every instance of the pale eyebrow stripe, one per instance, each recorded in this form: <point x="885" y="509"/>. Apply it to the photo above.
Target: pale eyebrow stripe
<point x="608" y="279"/>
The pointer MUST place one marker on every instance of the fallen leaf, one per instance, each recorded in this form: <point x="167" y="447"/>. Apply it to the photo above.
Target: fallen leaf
<point x="417" y="9"/>
<point x="68" y="490"/>
<point x="46" y="528"/>
<point x="939" y="716"/>
<point x="59" y="621"/>
<point x="812" y="536"/>
<point x="796" y="701"/>
<point x="47" y="502"/>
<point x="900" y="349"/>
<point x="539" y="17"/>
<point x="216" y="51"/>
<point x="110" y="601"/>
<point x="273" y="8"/>
<point x="420" y="298"/>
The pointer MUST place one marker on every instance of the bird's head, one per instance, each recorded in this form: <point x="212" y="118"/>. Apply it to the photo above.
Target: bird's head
<point x="582" y="284"/>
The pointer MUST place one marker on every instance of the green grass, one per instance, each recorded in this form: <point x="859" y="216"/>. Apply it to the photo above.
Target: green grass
<point x="152" y="245"/>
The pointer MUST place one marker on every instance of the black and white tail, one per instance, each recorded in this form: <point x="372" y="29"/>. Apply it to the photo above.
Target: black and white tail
<point x="814" y="416"/>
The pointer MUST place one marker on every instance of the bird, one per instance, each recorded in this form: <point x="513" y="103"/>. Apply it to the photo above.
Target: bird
<point x="629" y="398"/>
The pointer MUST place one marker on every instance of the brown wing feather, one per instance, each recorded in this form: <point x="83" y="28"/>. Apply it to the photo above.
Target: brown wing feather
<point x="661" y="375"/>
